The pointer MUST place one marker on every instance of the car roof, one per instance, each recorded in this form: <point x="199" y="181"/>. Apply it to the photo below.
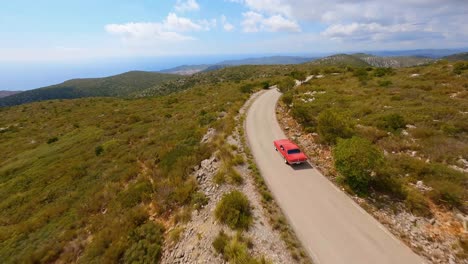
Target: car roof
<point x="286" y="143"/>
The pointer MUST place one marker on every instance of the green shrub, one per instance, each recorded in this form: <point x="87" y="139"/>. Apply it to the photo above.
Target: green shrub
<point x="199" y="200"/>
<point x="52" y="140"/>
<point x="237" y="253"/>
<point x="146" y="244"/>
<point x="331" y="126"/>
<point x="234" y="210"/>
<point x="247" y="88"/>
<point x="447" y="193"/>
<point x="459" y="67"/>
<point x="287" y="98"/>
<point x="286" y="84"/>
<point x="299" y="75"/>
<point x="98" y="150"/>
<point x="220" y="242"/>
<point x="392" y="122"/>
<point x="380" y="72"/>
<point x="356" y="159"/>
<point x="385" y="83"/>
<point x="266" y="85"/>
<point x="362" y="75"/>
<point x="235" y="177"/>
<point x="387" y="181"/>
<point x="417" y="204"/>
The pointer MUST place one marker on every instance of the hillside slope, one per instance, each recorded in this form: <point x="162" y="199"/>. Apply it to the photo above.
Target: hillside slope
<point x="122" y="85"/>
<point x="81" y="178"/>
<point x="365" y="60"/>
<point x="457" y="57"/>
<point x="8" y="93"/>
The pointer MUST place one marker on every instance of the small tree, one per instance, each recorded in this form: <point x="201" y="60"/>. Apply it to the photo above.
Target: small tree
<point x="331" y="126"/>
<point x="234" y="210"/>
<point x="356" y="159"/>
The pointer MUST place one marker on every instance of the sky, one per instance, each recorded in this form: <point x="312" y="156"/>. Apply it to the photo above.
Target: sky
<point x="56" y="35"/>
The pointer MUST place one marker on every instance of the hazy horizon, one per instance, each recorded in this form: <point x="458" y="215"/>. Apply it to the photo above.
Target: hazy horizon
<point x="41" y="75"/>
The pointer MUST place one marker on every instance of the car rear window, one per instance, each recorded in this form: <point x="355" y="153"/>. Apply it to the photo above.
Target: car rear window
<point x="294" y="151"/>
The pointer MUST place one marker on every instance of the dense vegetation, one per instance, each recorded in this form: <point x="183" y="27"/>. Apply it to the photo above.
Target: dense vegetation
<point x="80" y="179"/>
<point x="416" y="116"/>
<point x="122" y="85"/>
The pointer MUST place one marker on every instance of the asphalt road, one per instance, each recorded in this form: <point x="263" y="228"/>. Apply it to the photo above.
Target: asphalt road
<point x="330" y="225"/>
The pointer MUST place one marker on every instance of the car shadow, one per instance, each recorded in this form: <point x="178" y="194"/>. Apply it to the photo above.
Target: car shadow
<point x="302" y="166"/>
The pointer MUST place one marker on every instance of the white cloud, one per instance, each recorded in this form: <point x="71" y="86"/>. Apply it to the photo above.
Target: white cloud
<point x="180" y="24"/>
<point x="168" y="30"/>
<point x="189" y="5"/>
<point x="228" y="27"/>
<point x="144" y="31"/>
<point x="255" y="22"/>
<point x="371" y="20"/>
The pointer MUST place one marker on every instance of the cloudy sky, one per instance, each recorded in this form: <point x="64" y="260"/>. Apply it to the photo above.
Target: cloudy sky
<point x="70" y="30"/>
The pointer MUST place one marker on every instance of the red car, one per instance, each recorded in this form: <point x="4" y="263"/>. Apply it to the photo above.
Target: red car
<point x="290" y="151"/>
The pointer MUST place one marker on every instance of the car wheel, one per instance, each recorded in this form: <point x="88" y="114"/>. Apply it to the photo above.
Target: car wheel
<point x="276" y="149"/>
<point x="286" y="161"/>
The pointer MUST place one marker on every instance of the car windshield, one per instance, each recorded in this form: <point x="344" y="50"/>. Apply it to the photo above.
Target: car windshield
<point x="294" y="151"/>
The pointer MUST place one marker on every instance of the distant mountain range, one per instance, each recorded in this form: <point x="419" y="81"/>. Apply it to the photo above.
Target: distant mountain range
<point x="121" y="85"/>
<point x="395" y="59"/>
<point x="272" y="60"/>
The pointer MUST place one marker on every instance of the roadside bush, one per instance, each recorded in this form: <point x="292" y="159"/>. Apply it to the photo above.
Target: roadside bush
<point x="235" y="249"/>
<point x="447" y="193"/>
<point x="287" y="98"/>
<point x="146" y="244"/>
<point x="220" y="242"/>
<point x="286" y="84"/>
<point x="386" y="181"/>
<point x="299" y="75"/>
<point x="234" y="210"/>
<point x="355" y="160"/>
<point x="248" y="88"/>
<point x="199" y="199"/>
<point x="302" y="113"/>
<point x="331" y="126"/>
<point x="417" y="204"/>
<point x="392" y="122"/>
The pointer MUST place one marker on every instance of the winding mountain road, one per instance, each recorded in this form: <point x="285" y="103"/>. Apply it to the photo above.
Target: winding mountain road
<point x="330" y="225"/>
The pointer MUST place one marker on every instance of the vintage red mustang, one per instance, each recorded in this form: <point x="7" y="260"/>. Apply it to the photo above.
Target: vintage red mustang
<point x="290" y="151"/>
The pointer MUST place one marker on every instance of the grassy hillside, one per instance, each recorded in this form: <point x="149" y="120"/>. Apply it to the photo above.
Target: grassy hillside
<point x="96" y="180"/>
<point x="417" y="116"/>
<point x="122" y="85"/>
<point x="457" y="57"/>
<point x="341" y="60"/>
<point x="393" y="62"/>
